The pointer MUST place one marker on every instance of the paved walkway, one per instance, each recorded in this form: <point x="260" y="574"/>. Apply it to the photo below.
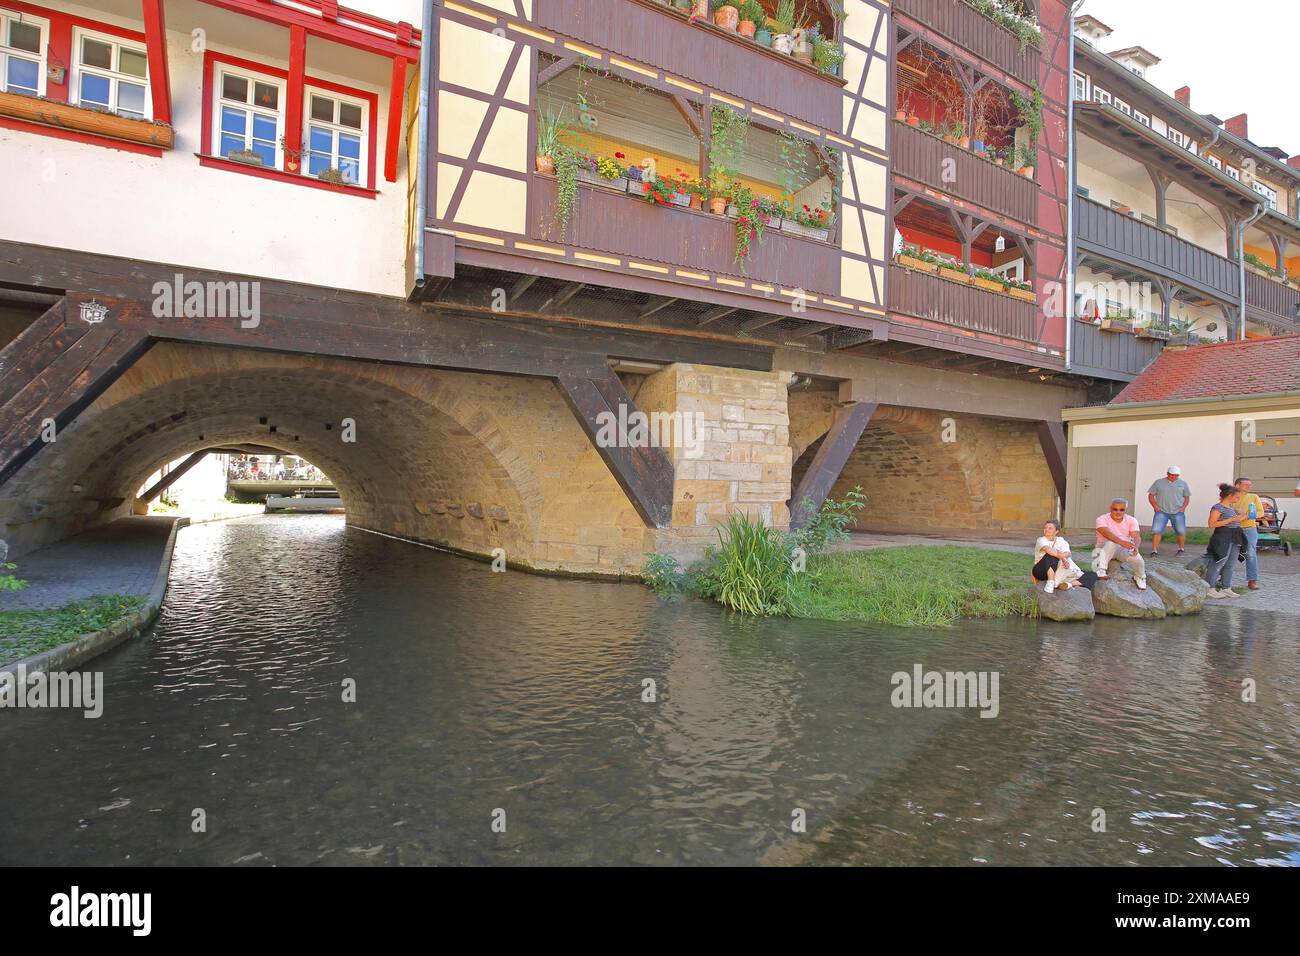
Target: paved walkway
<point x="119" y="558"/>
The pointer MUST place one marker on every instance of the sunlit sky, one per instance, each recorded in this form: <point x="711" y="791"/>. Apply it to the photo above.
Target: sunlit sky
<point x="1236" y="57"/>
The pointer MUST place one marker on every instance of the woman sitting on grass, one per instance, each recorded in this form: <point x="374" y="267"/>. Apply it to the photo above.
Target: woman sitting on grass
<point x="1052" y="561"/>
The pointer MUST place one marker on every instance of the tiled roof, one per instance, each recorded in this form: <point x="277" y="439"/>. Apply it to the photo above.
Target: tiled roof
<point x="1220" y="370"/>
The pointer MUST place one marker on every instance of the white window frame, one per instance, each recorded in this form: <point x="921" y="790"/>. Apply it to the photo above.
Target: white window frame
<point x="1234" y="172"/>
<point x="219" y="72"/>
<point x="363" y="160"/>
<point x="76" y="68"/>
<point x="1268" y="192"/>
<point x="1214" y="160"/>
<point x="1177" y="138"/>
<point x="1142" y="118"/>
<point x="6" y="51"/>
<point x="1100" y="95"/>
<point x="1123" y="107"/>
<point x="1081" y="87"/>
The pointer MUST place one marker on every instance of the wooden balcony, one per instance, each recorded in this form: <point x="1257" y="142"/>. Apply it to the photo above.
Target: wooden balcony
<point x="975" y="33"/>
<point x="1113" y="355"/>
<point x="1272" y="302"/>
<point x="615" y="222"/>
<point x="663" y="37"/>
<point x="925" y="157"/>
<point x="1145" y="248"/>
<point x="925" y="296"/>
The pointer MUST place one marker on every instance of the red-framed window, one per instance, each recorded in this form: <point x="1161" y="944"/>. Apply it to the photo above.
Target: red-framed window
<point x="75" y="60"/>
<point x="248" y="125"/>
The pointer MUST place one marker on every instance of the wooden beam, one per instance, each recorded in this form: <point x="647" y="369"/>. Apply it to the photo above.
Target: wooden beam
<point x="155" y="39"/>
<point x="659" y="306"/>
<point x="563" y="296"/>
<point x="692" y="118"/>
<point x="396" y="93"/>
<point x="555" y="69"/>
<point x="1051" y="437"/>
<point x="714" y="315"/>
<point x="294" y="91"/>
<point x="850" y="421"/>
<point x="67" y="380"/>
<point x="519" y="288"/>
<point x="645" y="474"/>
<point x="169" y="479"/>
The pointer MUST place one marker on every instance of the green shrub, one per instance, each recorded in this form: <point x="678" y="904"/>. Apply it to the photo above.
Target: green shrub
<point x="752" y="567"/>
<point x="10" y="582"/>
<point x="663" y="575"/>
<point x="831" y="522"/>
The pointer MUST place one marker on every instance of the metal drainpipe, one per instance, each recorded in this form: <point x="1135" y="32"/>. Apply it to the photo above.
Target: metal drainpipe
<point x="1260" y="209"/>
<point x="1071" y="180"/>
<point x="422" y="132"/>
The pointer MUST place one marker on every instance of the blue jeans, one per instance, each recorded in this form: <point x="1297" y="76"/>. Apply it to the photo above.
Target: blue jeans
<point x="1252" y="553"/>
<point x="1222" y="568"/>
<point x="1163" y="518"/>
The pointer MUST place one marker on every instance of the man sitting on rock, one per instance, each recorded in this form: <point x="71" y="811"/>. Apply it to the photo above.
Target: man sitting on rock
<point x="1119" y="536"/>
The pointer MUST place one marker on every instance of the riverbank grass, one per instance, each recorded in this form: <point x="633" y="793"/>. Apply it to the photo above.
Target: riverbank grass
<point x="27" y="632"/>
<point x="913" y="586"/>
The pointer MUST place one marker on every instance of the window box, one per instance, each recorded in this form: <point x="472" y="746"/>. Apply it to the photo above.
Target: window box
<point x="989" y="285"/>
<point x="1146" y="332"/>
<point x="618" y="185"/>
<point x="957" y="274"/>
<point x="808" y="232"/>
<point x="83" y="120"/>
<point x="1026" y="295"/>
<point x="1116" y="325"/>
<point x="920" y="265"/>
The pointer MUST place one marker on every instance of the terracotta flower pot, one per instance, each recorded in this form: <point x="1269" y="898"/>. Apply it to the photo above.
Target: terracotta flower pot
<point x="900" y="115"/>
<point x="964" y="142"/>
<point x="697" y="201"/>
<point x="747" y="28"/>
<point x="1027" y="172"/>
<point x="546" y="164"/>
<point x="718" y="206"/>
<point x="727" y="17"/>
<point x="914" y="121"/>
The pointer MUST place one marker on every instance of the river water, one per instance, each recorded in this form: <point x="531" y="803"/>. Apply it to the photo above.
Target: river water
<point x="514" y="699"/>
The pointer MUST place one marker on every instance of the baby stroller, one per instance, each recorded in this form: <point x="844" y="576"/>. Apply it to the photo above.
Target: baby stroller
<point x="1270" y="529"/>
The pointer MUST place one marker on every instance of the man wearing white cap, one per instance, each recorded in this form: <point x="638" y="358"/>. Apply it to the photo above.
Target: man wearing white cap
<point x="1169" y="497"/>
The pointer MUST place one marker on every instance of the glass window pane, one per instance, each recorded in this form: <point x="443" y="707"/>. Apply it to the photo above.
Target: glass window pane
<point x="264" y="94"/>
<point x="264" y="127"/>
<point x="22" y="76"/>
<point x="350" y="170"/>
<point x="230" y="144"/>
<point x="266" y="151"/>
<point x="130" y="98"/>
<point x="321" y="140"/>
<point x="322" y="108"/>
<point x="94" y="90"/>
<point x="350" y="115"/>
<point x="234" y="88"/>
<point x="95" y="53"/>
<point x="131" y="62"/>
<point x="349" y="146"/>
<point x="317" y="163"/>
<point x="233" y="121"/>
<point x="24" y="36"/>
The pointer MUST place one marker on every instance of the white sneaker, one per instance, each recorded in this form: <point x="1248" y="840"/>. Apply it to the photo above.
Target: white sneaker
<point x="1142" y="584"/>
<point x="1230" y="593"/>
<point x="1049" y="587"/>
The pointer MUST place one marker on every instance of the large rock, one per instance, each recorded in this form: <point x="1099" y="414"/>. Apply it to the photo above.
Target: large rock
<point x="1072" y="605"/>
<point x="1180" y="588"/>
<point x="1119" y="596"/>
<point x="1199" y="565"/>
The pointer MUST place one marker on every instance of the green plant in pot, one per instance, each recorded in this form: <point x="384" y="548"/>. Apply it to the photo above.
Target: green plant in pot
<point x="783" y="21"/>
<point x="753" y="18"/>
<point x="550" y="128"/>
<point x="827" y="55"/>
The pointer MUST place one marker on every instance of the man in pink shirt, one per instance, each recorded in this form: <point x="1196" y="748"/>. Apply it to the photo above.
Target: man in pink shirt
<point x="1119" y="536"/>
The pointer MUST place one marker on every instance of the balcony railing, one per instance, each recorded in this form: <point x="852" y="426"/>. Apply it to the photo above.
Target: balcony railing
<point x="942" y="300"/>
<point x="925" y="158"/>
<point x="1147" y="248"/>
<point x="976" y="33"/>
<point x="1275" y="300"/>
<point x="1115" y="355"/>
<point x="661" y="37"/>
<point x="615" y="222"/>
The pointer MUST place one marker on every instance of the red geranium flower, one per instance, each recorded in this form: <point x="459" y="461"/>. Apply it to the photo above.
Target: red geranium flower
<point x="619" y="156"/>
